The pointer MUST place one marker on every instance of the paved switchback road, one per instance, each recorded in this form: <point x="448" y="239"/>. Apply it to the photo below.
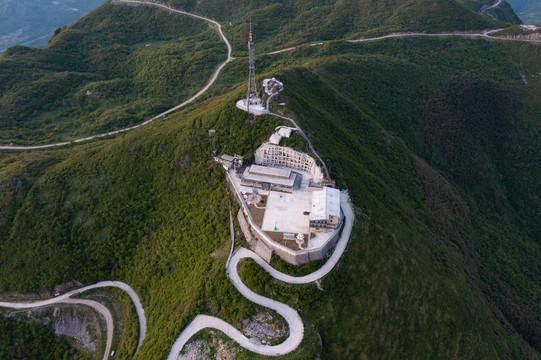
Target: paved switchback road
<point x="99" y="307"/>
<point x="321" y="272"/>
<point x="66" y="299"/>
<point x="294" y="321"/>
<point x="485" y="8"/>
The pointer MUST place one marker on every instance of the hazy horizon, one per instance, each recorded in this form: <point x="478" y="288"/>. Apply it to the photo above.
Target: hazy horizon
<point x="33" y="22"/>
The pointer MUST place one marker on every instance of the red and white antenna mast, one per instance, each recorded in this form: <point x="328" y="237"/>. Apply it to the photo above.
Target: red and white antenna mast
<point x="252" y="95"/>
<point x="252" y="89"/>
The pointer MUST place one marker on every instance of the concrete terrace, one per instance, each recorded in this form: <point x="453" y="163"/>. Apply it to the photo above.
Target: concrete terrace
<point x="284" y="212"/>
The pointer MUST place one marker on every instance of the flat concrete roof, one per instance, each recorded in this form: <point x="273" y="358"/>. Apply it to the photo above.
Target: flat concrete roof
<point x="275" y="138"/>
<point x="288" y="218"/>
<point x="285" y="131"/>
<point x="270" y="171"/>
<point x="227" y="157"/>
<point x="285" y="212"/>
<point x="261" y="176"/>
<point x="325" y="203"/>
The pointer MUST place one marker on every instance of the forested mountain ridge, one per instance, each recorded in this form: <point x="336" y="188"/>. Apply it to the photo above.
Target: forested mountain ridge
<point x="437" y="140"/>
<point x="87" y="81"/>
<point x="290" y="22"/>
<point x="101" y="98"/>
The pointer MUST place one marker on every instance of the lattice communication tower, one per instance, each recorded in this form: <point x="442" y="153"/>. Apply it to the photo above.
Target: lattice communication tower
<point x="252" y="88"/>
<point x="252" y="95"/>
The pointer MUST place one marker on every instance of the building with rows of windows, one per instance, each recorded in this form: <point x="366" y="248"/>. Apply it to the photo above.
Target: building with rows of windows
<point x="281" y="156"/>
<point x="325" y="213"/>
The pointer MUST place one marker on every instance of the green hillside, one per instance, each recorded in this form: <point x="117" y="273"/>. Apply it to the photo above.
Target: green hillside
<point x="20" y="340"/>
<point x="286" y="22"/>
<point x="437" y="140"/>
<point x="70" y="92"/>
<point x="503" y="12"/>
<point x="107" y="71"/>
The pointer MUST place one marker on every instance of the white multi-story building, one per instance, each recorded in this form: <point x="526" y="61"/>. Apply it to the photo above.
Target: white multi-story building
<point x="325" y="212"/>
<point x="281" y="156"/>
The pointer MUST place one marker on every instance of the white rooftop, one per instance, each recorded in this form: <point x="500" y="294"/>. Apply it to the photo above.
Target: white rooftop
<point x="277" y="176"/>
<point x="256" y="107"/>
<point x="275" y="139"/>
<point x="325" y="203"/>
<point x="270" y="171"/>
<point x="284" y="131"/>
<point x="285" y="212"/>
<point x="226" y="157"/>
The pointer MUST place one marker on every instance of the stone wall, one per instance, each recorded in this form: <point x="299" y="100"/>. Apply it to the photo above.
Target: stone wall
<point x="264" y="246"/>
<point x="245" y="227"/>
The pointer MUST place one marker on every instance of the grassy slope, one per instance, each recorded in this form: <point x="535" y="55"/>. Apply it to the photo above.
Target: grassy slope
<point x="110" y="198"/>
<point x="506" y="13"/>
<point x="143" y="208"/>
<point x="20" y="340"/>
<point x="149" y="208"/>
<point x="389" y="249"/>
<point x="138" y="82"/>
<point x="104" y="55"/>
<point x="283" y="23"/>
<point x="385" y="84"/>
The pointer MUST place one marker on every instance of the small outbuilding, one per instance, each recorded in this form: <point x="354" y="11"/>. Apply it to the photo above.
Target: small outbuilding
<point x="275" y="139"/>
<point x="284" y="131"/>
<point x="229" y="161"/>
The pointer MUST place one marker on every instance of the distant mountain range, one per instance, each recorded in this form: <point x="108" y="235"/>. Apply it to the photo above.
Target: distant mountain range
<point x="528" y="10"/>
<point x="32" y="22"/>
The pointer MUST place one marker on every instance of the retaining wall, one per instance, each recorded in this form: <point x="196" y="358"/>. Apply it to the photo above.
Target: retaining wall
<point x="251" y="230"/>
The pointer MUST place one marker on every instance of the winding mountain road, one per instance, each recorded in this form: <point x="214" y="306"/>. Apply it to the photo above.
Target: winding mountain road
<point x="485" y="8"/>
<point x="471" y="35"/>
<point x="66" y="299"/>
<point x="212" y="80"/>
<point x="296" y="327"/>
<point x="484" y="34"/>
<point x="159" y="116"/>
